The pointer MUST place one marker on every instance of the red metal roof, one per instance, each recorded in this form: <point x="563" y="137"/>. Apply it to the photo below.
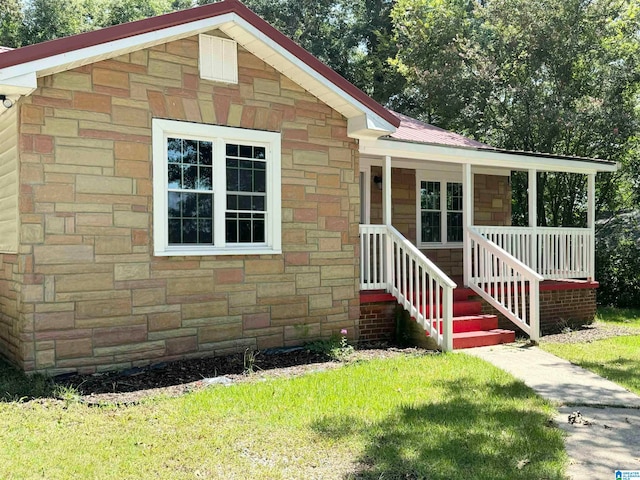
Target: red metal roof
<point x="68" y="44"/>
<point x="412" y="130"/>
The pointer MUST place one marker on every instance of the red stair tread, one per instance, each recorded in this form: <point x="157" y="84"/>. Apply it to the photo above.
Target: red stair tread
<point x="470" y="323"/>
<point x="482" y="338"/>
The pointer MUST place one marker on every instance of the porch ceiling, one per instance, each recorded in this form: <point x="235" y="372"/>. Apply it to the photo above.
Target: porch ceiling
<point x="413" y="152"/>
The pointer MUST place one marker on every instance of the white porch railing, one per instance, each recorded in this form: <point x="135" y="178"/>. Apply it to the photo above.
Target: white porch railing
<point x="503" y="281"/>
<point x="554" y="253"/>
<point x="389" y="261"/>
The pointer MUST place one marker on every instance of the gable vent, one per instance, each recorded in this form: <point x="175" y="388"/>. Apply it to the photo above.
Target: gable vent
<point x="218" y="59"/>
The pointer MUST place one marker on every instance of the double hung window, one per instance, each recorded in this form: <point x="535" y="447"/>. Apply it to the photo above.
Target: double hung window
<point x="216" y="190"/>
<point x="439" y="213"/>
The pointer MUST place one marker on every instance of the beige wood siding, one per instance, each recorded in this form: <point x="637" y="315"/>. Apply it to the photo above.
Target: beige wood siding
<point x="9" y="181"/>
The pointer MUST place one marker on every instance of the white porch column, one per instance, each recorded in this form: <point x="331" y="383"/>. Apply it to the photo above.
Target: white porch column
<point x="533" y="219"/>
<point x="591" y="222"/>
<point x="386" y="191"/>
<point x="467" y="219"/>
<point x="389" y="276"/>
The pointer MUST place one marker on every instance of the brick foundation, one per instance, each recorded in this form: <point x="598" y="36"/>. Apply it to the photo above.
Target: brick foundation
<point x="561" y="305"/>
<point x="377" y="321"/>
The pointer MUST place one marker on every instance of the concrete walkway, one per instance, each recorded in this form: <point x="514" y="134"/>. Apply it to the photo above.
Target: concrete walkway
<point x="606" y="436"/>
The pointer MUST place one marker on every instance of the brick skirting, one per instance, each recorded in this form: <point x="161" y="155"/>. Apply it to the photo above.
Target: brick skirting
<point x="562" y="304"/>
<point x="377" y="318"/>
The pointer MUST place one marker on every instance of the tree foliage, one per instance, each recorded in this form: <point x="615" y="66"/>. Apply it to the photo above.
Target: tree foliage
<point x="553" y="76"/>
<point x="11" y="18"/>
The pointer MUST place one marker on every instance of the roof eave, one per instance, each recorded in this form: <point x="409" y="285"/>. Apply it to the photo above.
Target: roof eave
<point x="483" y="156"/>
<point x="367" y="118"/>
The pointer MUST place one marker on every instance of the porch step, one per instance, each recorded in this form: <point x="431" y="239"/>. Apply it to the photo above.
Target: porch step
<point x="465" y="308"/>
<point x="473" y="323"/>
<point x="482" y="338"/>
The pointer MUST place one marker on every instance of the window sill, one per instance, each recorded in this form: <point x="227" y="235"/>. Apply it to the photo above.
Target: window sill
<point x="208" y="251"/>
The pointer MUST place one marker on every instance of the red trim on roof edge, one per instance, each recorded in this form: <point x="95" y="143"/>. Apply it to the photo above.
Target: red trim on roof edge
<point x="118" y="32"/>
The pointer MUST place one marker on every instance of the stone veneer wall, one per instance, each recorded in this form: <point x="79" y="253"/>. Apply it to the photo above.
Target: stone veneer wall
<point x="492" y="206"/>
<point x="93" y="295"/>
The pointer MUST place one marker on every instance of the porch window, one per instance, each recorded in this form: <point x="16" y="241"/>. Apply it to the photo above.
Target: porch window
<point x="216" y="190"/>
<point x="440" y="218"/>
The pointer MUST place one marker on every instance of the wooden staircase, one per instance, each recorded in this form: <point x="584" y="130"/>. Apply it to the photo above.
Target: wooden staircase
<point x="470" y="327"/>
<point x="473" y="329"/>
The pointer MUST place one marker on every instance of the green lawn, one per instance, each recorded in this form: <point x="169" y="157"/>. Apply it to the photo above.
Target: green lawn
<point x="435" y="417"/>
<point x="617" y="358"/>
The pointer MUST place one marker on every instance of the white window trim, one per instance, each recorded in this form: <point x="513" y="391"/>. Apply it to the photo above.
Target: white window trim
<point x="442" y="177"/>
<point x="219" y="135"/>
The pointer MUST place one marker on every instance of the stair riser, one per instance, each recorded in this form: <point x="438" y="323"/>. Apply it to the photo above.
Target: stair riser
<point x="483" y="340"/>
<point x="474" y="325"/>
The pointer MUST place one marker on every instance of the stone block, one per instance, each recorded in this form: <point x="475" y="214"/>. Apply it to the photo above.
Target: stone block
<point x="31" y="114"/>
<point x="74" y="348"/>
<point x="256" y="320"/>
<point x="144" y="297"/>
<point x="62" y="254"/>
<point x="205" y="310"/>
<point x="53" y="193"/>
<point x="221" y="332"/>
<point x="131" y="219"/>
<point x="276" y="289"/>
<point x="72" y="81"/>
<point x="83" y="282"/>
<point x="164" y="321"/>
<point x="165" y="70"/>
<point x="103" y="308"/>
<point x="110" y="336"/>
<point x="263" y="85"/>
<point x="328" y="272"/>
<point x="289" y="311"/>
<point x="310" y="158"/>
<point x="111" y="78"/>
<point x="134" y="117"/>
<point x="264" y="267"/>
<point x="138" y="152"/>
<point x="103" y="184"/>
<point x="94" y="102"/>
<point x="53" y="321"/>
<point x="31" y="233"/>
<point x="75" y="155"/>
<point x="131" y="271"/>
<point x="61" y="127"/>
<point x="189" y="286"/>
<point x="238" y="299"/>
<point x="181" y="345"/>
<point x="225" y="276"/>
<point x="112" y="245"/>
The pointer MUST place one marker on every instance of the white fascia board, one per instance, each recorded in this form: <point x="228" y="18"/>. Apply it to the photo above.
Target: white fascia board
<point x="83" y="56"/>
<point x="275" y="54"/>
<point x="367" y="126"/>
<point x="20" y="85"/>
<point x="441" y="153"/>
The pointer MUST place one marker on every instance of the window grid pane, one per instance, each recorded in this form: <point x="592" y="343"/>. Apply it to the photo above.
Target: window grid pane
<point x="246" y="194"/>
<point x="430" y="212"/>
<point x="190" y="191"/>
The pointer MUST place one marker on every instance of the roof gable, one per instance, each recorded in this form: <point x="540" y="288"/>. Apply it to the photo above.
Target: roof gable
<point x="20" y="68"/>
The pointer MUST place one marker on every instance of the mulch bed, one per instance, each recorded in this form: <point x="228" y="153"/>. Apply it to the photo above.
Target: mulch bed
<point x="177" y="378"/>
<point x="590" y="333"/>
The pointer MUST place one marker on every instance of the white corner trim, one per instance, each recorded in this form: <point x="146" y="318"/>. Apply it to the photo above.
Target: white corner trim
<point x="367" y="126"/>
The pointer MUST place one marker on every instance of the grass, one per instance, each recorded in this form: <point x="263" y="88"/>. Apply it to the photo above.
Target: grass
<point x="629" y="317"/>
<point x="617" y="358"/>
<point x="436" y="417"/>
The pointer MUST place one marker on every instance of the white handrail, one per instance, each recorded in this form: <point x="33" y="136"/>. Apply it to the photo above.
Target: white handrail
<point x="554" y="253"/>
<point x="390" y="261"/>
<point x="502" y="280"/>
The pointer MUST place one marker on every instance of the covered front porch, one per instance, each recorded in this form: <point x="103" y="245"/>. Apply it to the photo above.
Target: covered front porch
<point x="435" y="218"/>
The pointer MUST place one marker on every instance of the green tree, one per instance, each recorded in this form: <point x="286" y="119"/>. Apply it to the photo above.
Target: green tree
<point x="554" y="76"/>
<point x="10" y="22"/>
<point x="48" y="19"/>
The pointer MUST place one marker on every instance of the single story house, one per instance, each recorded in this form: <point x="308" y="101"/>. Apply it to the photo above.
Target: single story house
<point x="197" y="184"/>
